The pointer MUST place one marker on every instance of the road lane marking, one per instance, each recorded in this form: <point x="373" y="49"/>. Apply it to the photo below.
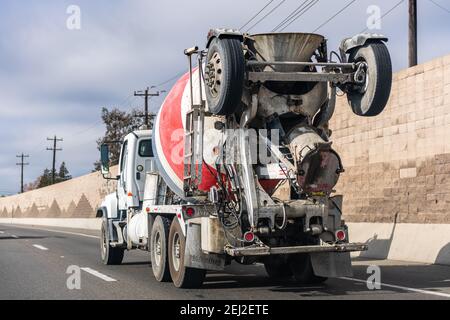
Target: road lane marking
<point x="37" y="246"/>
<point x="66" y="232"/>
<point x="2" y="232"/>
<point x="14" y="236"/>
<point x="99" y="275"/>
<point x="440" y="294"/>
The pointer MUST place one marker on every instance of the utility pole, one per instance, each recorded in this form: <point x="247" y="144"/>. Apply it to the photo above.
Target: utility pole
<point x="22" y="164"/>
<point x="412" y="33"/>
<point x="146" y="94"/>
<point x="54" y="149"/>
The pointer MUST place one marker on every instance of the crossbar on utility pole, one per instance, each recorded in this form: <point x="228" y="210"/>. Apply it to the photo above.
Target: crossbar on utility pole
<point x="54" y="149"/>
<point x="412" y="33"/>
<point x="147" y="94"/>
<point x="22" y="164"/>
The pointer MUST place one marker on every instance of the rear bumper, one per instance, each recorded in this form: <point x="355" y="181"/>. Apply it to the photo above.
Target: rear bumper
<point x="266" y="251"/>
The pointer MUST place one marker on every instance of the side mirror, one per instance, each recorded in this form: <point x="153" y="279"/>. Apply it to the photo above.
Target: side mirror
<point x="104" y="159"/>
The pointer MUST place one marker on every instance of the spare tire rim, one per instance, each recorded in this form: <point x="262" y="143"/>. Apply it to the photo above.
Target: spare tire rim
<point x="362" y="76"/>
<point x="214" y="71"/>
<point x="176" y="251"/>
<point x="157" y="251"/>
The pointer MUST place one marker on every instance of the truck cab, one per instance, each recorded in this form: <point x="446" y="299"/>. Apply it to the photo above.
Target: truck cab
<point x="135" y="161"/>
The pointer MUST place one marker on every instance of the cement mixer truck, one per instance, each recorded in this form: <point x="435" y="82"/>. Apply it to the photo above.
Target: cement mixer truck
<point x="239" y="166"/>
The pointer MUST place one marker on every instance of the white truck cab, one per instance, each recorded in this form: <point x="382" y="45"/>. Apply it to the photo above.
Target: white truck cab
<point x="136" y="159"/>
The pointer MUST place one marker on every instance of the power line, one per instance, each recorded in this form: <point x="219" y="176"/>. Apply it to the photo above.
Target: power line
<point x="259" y="12"/>
<point x="290" y="16"/>
<point x="54" y="149"/>
<point x="22" y="164"/>
<point x="305" y="10"/>
<point x="266" y="15"/>
<point x="335" y="15"/>
<point x="440" y="6"/>
<point x="171" y="79"/>
<point x="386" y="14"/>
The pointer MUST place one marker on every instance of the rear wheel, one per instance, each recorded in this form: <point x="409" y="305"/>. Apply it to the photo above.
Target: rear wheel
<point x="110" y="255"/>
<point x="183" y="277"/>
<point x="158" y="248"/>
<point x="375" y="71"/>
<point x="302" y="270"/>
<point x="224" y="76"/>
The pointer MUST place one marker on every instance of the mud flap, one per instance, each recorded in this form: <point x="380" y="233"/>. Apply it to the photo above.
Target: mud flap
<point x="332" y="265"/>
<point x="194" y="257"/>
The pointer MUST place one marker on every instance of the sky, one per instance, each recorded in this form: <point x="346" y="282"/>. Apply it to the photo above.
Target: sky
<point x="55" y="80"/>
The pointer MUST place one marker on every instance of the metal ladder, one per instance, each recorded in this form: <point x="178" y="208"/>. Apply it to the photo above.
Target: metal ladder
<point x="193" y="135"/>
<point x="193" y="149"/>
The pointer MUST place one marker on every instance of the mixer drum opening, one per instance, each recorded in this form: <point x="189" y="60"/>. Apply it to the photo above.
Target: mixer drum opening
<point x="319" y="171"/>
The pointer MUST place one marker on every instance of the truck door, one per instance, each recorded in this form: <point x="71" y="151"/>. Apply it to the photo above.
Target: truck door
<point x="144" y="164"/>
<point x="122" y="184"/>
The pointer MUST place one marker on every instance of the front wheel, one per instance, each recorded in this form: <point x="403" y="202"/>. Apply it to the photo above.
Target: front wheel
<point x="183" y="277"/>
<point x="369" y="98"/>
<point x="110" y="255"/>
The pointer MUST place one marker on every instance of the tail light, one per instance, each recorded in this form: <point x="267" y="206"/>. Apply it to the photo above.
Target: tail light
<point x="340" y="235"/>
<point x="249" y="236"/>
<point x="190" y="212"/>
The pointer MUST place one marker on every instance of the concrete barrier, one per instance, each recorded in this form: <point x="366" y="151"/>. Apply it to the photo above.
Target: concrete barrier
<point x="424" y="243"/>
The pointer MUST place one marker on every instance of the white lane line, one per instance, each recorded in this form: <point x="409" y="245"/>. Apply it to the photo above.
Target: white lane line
<point x="99" y="275"/>
<point x="73" y="233"/>
<point x="37" y="246"/>
<point x="14" y="236"/>
<point x="66" y="232"/>
<point x="2" y="232"/>
<point x="440" y="294"/>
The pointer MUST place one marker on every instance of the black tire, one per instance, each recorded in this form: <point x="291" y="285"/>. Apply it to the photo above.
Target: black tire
<point x="158" y="249"/>
<point x="182" y="277"/>
<point x="374" y="96"/>
<point x="110" y="255"/>
<point x="277" y="267"/>
<point x="224" y="75"/>
<point x="302" y="270"/>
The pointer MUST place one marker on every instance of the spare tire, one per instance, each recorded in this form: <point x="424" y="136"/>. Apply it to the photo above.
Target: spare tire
<point x="370" y="98"/>
<point x="224" y="76"/>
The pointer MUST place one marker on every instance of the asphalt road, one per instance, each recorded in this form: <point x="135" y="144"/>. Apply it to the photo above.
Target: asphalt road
<point x="34" y="261"/>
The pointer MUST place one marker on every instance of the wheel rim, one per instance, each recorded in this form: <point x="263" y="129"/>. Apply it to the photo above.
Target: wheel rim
<point x="362" y="76"/>
<point x="214" y="71"/>
<point x="176" y="245"/>
<point x="157" y="252"/>
<point x="103" y="243"/>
